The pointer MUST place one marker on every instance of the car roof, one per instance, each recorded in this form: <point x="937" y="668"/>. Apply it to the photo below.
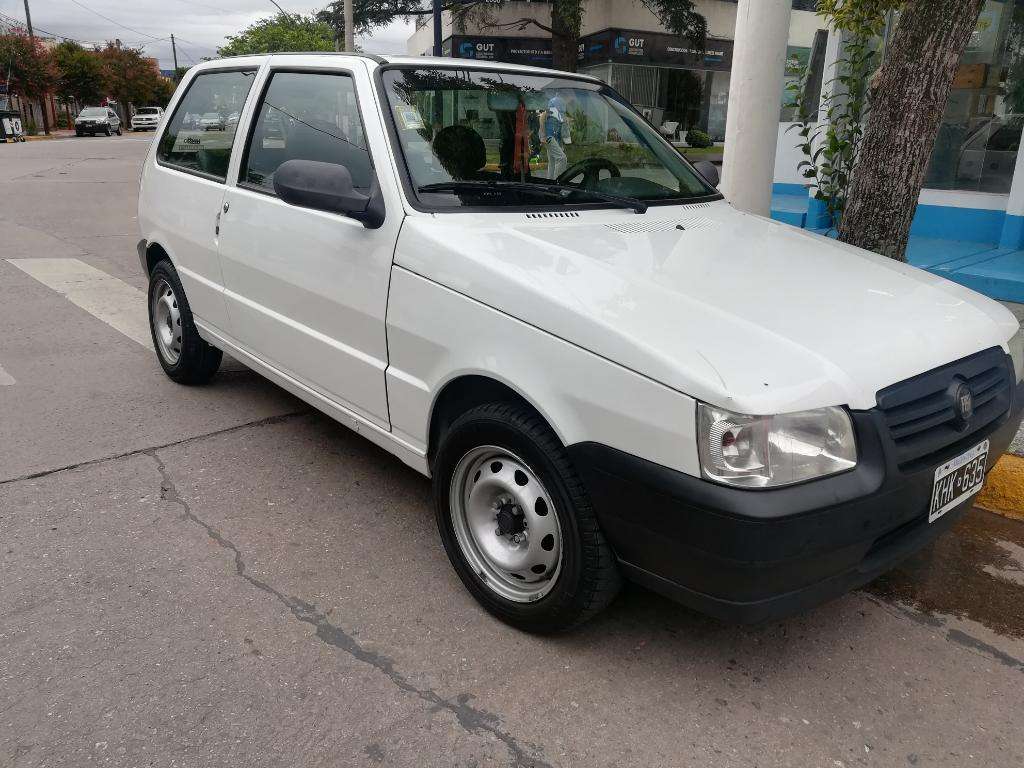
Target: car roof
<point x="374" y="60"/>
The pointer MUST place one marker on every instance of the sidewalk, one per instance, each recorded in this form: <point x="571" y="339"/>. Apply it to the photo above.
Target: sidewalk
<point x="55" y="134"/>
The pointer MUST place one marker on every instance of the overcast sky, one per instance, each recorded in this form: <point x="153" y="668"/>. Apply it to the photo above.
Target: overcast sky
<point x="198" y="25"/>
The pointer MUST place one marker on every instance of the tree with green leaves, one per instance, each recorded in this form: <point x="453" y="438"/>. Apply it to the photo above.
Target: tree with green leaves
<point x="129" y="77"/>
<point x="907" y="96"/>
<point x="162" y="92"/>
<point x="367" y="15"/>
<point x="27" y="66"/>
<point x="283" y="32"/>
<point x="79" y="73"/>
<point x="680" y="17"/>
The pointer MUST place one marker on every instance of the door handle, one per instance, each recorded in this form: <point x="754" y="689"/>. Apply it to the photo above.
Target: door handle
<point x="216" y="225"/>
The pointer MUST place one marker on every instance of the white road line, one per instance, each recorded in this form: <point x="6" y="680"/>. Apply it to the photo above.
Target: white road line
<point x="6" y="379"/>
<point x="119" y="305"/>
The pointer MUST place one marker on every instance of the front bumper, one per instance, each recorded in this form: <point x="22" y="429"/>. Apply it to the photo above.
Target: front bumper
<point x="751" y="556"/>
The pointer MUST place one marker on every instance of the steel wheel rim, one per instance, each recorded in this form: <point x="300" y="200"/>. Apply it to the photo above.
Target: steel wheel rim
<point x="506" y="524"/>
<point x="166" y="319"/>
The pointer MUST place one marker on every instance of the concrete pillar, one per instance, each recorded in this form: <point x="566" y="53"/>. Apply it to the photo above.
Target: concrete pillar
<point x="817" y="211"/>
<point x="1013" y="224"/>
<point x="755" y="97"/>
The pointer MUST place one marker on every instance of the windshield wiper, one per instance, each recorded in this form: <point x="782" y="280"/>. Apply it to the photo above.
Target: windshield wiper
<point x="551" y="190"/>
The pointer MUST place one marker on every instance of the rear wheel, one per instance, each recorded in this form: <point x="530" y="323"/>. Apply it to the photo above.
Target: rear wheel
<point x="106" y="130"/>
<point x="182" y="353"/>
<point x="516" y="521"/>
<point x="118" y="130"/>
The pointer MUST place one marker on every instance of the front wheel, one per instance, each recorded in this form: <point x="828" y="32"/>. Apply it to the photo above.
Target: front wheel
<point x="517" y="523"/>
<point x="184" y="355"/>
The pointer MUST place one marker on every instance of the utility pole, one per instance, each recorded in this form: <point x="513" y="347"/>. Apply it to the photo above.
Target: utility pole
<point x="28" y="21"/>
<point x="32" y="37"/>
<point x="437" y="27"/>
<point x="174" y="53"/>
<point x="350" y="27"/>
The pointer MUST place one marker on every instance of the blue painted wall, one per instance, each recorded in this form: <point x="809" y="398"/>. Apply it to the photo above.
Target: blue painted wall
<point x="939" y="221"/>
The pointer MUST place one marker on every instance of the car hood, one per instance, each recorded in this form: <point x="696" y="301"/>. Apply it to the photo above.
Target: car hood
<point x="730" y="308"/>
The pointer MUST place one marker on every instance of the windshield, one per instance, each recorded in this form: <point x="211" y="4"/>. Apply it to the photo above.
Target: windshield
<point x="513" y="134"/>
<point x="148" y="111"/>
<point x="93" y="112"/>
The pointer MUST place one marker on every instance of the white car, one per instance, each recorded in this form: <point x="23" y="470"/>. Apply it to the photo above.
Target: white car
<point x="93" y="120"/>
<point x="146" y="118"/>
<point x="610" y="373"/>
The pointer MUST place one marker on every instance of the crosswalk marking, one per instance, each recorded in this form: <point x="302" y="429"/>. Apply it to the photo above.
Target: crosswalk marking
<point x="6" y="379"/>
<point x="119" y="305"/>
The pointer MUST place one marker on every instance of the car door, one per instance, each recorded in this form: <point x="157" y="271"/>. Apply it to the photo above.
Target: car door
<point x="183" y="191"/>
<point x="307" y="290"/>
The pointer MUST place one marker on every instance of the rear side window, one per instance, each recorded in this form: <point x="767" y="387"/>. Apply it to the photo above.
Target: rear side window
<point x="198" y="136"/>
<point x="306" y="116"/>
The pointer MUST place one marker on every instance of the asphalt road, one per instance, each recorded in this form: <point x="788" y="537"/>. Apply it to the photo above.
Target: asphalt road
<point x="218" y="576"/>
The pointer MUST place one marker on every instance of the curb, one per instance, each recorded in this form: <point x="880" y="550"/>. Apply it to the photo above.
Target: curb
<point x="53" y="135"/>
<point x="1004" y="488"/>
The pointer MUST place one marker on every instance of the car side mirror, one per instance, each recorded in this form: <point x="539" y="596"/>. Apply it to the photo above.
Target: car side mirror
<point x="709" y="171"/>
<point x="328" y="187"/>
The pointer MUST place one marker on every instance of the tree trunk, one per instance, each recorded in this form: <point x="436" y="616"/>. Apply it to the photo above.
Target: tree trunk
<point x="908" y="98"/>
<point x="566" y="19"/>
<point x="44" y="102"/>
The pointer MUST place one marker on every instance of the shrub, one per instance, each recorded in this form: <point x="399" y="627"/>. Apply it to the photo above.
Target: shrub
<point x="698" y="139"/>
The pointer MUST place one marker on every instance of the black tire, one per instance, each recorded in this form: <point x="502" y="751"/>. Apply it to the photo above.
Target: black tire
<point x="588" y="578"/>
<point x="78" y="133"/>
<point x="197" y="361"/>
<point x="118" y="131"/>
<point x="106" y="131"/>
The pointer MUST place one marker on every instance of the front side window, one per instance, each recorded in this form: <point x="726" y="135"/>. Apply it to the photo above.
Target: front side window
<point x="306" y="116"/>
<point x="199" y="135"/>
<point x="477" y="138"/>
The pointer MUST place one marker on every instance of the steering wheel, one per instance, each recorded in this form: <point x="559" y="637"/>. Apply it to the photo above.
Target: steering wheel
<point x="590" y="168"/>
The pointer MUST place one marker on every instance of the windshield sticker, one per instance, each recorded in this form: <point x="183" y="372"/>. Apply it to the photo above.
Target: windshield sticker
<point x="409" y="117"/>
<point x="193" y="141"/>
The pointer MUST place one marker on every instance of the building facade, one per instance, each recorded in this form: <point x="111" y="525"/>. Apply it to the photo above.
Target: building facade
<point x="625" y="45"/>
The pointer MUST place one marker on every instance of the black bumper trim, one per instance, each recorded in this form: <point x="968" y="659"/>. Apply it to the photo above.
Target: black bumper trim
<point x="751" y="556"/>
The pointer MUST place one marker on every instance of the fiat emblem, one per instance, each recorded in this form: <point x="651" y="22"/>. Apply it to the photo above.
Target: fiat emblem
<point x="964" y="402"/>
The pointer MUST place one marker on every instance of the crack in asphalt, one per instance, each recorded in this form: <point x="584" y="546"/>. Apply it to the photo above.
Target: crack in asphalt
<point x="140" y="451"/>
<point x="471" y="719"/>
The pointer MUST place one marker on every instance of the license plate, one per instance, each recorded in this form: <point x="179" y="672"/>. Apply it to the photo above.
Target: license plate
<point x="957" y="479"/>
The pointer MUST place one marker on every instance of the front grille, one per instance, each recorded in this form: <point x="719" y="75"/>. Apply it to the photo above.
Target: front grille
<point x="921" y="414"/>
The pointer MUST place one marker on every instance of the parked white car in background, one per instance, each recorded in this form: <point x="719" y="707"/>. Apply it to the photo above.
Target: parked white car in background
<point x="147" y="118"/>
<point x="609" y="373"/>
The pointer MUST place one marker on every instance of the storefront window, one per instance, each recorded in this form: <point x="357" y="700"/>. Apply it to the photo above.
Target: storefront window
<point x="977" y="144"/>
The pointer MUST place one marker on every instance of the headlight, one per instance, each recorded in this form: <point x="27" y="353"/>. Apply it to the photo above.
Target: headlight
<point x="1016" y="345"/>
<point x="770" y="451"/>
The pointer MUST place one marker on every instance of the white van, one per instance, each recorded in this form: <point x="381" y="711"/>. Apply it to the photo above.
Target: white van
<point x="508" y="279"/>
<point x="147" y="118"/>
